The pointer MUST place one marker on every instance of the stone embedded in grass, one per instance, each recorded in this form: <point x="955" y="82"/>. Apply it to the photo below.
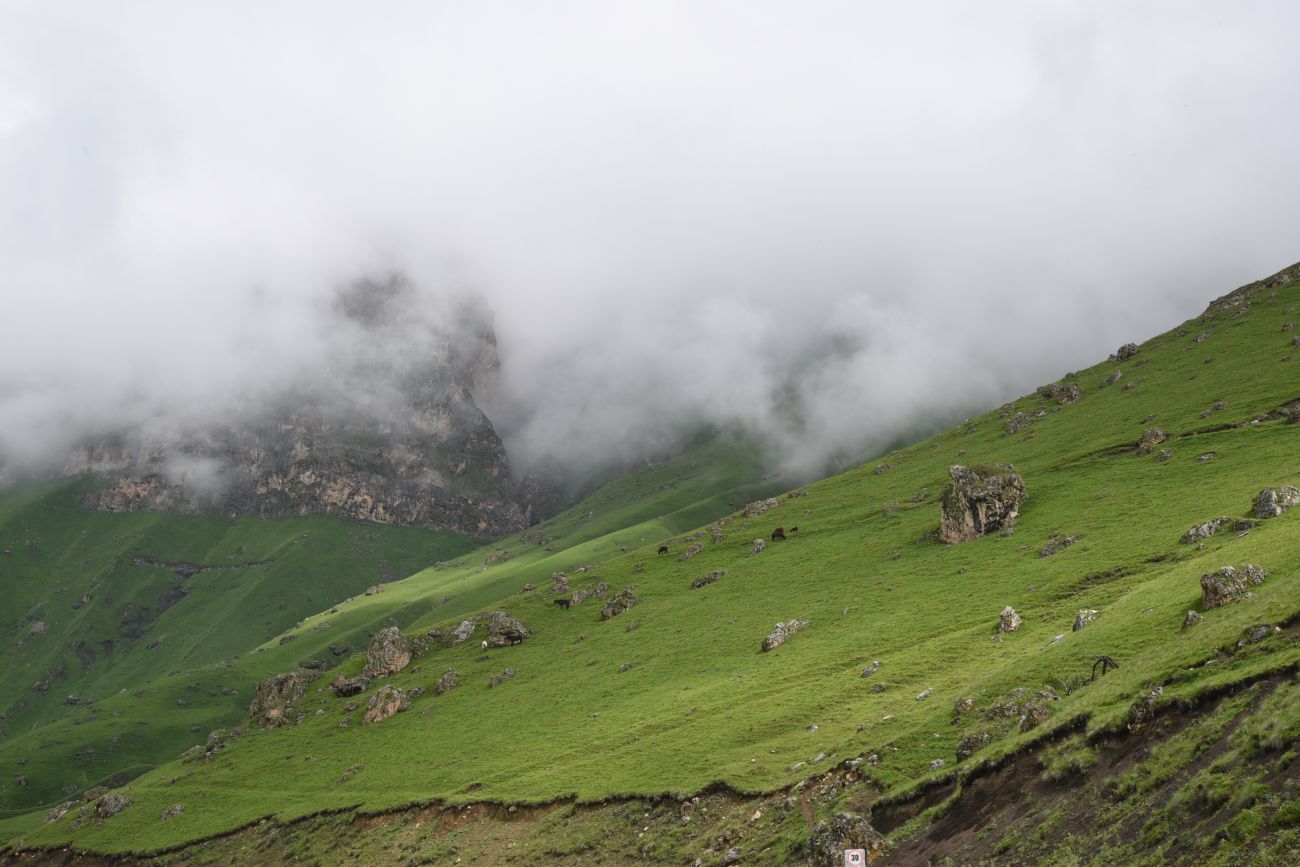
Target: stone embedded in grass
<point x="925" y="693"/>
<point x="498" y="679"/>
<point x="172" y="812"/>
<point x="622" y="601"/>
<point x="1009" y="620"/>
<point x="1256" y="634"/>
<point x="274" y="699"/>
<point x="1271" y="502"/>
<point x="1151" y="437"/>
<point x="963" y="705"/>
<point x="1226" y="585"/>
<point x="758" y="507"/>
<point x="971" y="744"/>
<point x="1205" y="530"/>
<point x="349" y="686"/>
<point x="1062" y="394"/>
<point x="760" y="545"/>
<point x="1192" y="619"/>
<point x="111" y="804"/>
<point x="1207" y="456"/>
<point x="690" y="552"/>
<point x="1125" y="352"/>
<point x="705" y="580"/>
<point x="872" y="668"/>
<point x="979" y="500"/>
<point x="1084" y="617"/>
<point x="935" y="764"/>
<point x="1112" y="379"/>
<point x="844" y="831"/>
<point x="60" y="811"/>
<point x="1143" y="710"/>
<point x="447" y="682"/>
<point x="1058" y="543"/>
<point x="782" y="632"/>
<point x="388" y="653"/>
<point x="504" y="630"/>
<point x="387" y="701"/>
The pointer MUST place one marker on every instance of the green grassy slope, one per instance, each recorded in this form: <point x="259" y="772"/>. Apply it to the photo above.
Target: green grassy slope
<point x="152" y="703"/>
<point x="699" y="703"/>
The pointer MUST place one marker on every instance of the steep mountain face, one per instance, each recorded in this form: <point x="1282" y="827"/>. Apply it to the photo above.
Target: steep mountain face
<point x="389" y="432"/>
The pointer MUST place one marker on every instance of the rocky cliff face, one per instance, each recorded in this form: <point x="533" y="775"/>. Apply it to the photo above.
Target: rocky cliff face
<point x="390" y="433"/>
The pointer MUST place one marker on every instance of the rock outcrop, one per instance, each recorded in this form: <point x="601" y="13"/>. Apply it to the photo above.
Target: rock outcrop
<point x="1227" y="585"/>
<point x="392" y="436"/>
<point x="446" y="683"/>
<point x="111" y="804"/>
<point x="844" y="831"/>
<point x="781" y="633"/>
<point x="1271" y="502"/>
<point x="1151" y="437"/>
<point x="705" y="580"/>
<point x="979" y="500"/>
<point x="504" y="630"/>
<point x="387" y="701"/>
<point x="1084" y="617"/>
<point x="621" y="601"/>
<point x="345" y="687"/>
<point x="1009" y="620"/>
<point x="388" y="653"/>
<point x="274" y="700"/>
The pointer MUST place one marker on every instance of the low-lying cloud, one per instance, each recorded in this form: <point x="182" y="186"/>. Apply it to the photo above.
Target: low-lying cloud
<point x="828" y="222"/>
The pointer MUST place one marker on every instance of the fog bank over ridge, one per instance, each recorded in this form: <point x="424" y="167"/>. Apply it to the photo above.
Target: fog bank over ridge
<point x="831" y="224"/>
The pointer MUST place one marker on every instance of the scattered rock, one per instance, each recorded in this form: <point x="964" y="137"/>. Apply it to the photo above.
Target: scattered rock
<point x="1112" y="379"/>
<point x="1151" y="437"/>
<point x="880" y="687"/>
<point x="844" y="831"/>
<point x="935" y="764"/>
<point x="388" y="653"/>
<point x="963" y="705"/>
<point x="1205" y="530"/>
<point x="386" y="701"/>
<point x="172" y="812"/>
<point x="782" y="632"/>
<point x="339" y="649"/>
<point x="446" y="683"/>
<point x="971" y="744"/>
<point x="37" y="628"/>
<point x="59" y="812"/>
<point x="705" y="580"/>
<point x="1226" y="585"/>
<point x="979" y="500"/>
<point x="274" y="700"/>
<point x="625" y="668"/>
<point x="622" y="601"/>
<point x="925" y="693"/>
<point x="350" y="686"/>
<point x="1009" y="621"/>
<point x="1271" y="502"/>
<point x="1062" y="394"/>
<point x="758" y="507"/>
<point x="1164" y="455"/>
<point x="1084" y="617"/>
<point x="872" y="668"/>
<point x="1256" y="634"/>
<point x="760" y="546"/>
<point x="690" y="552"/>
<point x="504" y="630"/>
<point x="1208" y="456"/>
<point x="731" y="857"/>
<point x="1125" y="352"/>
<point x="1057" y="543"/>
<point x="498" y="679"/>
<point x="111" y="804"/>
<point x="1144" y="709"/>
<point x="1192" y="619"/>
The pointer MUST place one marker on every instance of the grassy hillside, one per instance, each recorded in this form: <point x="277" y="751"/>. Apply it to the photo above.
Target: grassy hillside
<point x="192" y="665"/>
<point x="674" y="695"/>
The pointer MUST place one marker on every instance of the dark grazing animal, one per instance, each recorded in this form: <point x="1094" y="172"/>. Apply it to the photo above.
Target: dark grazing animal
<point x="663" y="549"/>
<point x="778" y="533"/>
<point x="794" y="531"/>
<point x="564" y="603"/>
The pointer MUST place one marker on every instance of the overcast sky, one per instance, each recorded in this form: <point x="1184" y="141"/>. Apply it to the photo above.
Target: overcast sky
<point x="874" y="216"/>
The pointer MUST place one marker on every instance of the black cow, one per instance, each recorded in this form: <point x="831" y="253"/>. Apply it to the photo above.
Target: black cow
<point x="663" y="549"/>
<point x="794" y="531"/>
<point x="778" y="533"/>
<point x="564" y="603"/>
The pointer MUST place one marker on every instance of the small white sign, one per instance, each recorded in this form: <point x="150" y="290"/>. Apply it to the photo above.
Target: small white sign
<point x="855" y="857"/>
